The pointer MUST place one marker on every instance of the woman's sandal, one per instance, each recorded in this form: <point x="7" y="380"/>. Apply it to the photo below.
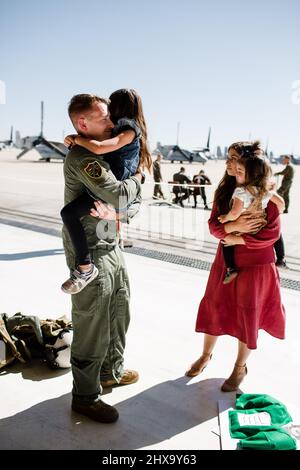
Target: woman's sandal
<point x="199" y="366"/>
<point x="233" y="382"/>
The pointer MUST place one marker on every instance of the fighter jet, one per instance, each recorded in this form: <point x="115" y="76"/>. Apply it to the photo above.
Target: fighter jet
<point x="46" y="148"/>
<point x="176" y="153"/>
<point x="7" y="143"/>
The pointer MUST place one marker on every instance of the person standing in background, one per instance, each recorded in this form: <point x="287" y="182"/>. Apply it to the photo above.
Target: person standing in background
<point x="200" y="179"/>
<point x="284" y="190"/>
<point x="286" y="183"/>
<point x="157" y="178"/>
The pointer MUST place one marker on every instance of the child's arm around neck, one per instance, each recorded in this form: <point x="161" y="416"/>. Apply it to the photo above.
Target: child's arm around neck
<point x="234" y="213"/>
<point x="106" y="146"/>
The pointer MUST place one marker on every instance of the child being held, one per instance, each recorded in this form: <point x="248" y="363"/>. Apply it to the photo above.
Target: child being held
<point x="251" y="195"/>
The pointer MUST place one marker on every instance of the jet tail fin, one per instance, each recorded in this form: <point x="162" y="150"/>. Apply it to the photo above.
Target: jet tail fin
<point x="208" y="139"/>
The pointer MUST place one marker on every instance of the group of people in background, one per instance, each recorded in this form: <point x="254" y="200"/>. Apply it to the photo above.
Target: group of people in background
<point x="183" y="186"/>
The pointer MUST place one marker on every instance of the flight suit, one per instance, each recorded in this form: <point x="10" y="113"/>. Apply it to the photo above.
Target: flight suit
<point x="200" y="179"/>
<point x="100" y="312"/>
<point x="157" y="179"/>
<point x="286" y="183"/>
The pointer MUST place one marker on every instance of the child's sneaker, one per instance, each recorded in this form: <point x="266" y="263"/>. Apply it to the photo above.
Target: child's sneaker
<point x="78" y="280"/>
<point x="230" y="275"/>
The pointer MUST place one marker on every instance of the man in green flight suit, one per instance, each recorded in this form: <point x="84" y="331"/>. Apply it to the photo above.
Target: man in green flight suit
<point x="157" y="178"/>
<point x="286" y="183"/>
<point x="100" y="312"/>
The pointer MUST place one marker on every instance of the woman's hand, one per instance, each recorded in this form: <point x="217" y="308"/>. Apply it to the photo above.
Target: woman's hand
<point x="222" y="218"/>
<point x="70" y="140"/>
<point x="104" y="211"/>
<point x="245" y="223"/>
<point x="231" y="240"/>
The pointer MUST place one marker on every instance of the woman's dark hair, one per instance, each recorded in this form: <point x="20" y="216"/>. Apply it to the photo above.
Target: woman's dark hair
<point x="127" y="103"/>
<point x="224" y="191"/>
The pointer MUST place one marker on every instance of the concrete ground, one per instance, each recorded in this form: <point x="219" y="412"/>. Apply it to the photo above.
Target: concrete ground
<point x="164" y="409"/>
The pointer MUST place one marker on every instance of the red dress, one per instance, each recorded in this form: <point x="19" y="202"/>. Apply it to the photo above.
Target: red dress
<point x="252" y="300"/>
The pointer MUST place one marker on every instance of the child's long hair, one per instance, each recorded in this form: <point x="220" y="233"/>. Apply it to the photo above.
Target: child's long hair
<point x="257" y="174"/>
<point x="224" y="191"/>
<point x="257" y="170"/>
<point x="127" y="103"/>
<point x="247" y="149"/>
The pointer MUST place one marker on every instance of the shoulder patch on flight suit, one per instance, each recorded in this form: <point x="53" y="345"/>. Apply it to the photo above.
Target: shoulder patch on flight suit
<point x="93" y="169"/>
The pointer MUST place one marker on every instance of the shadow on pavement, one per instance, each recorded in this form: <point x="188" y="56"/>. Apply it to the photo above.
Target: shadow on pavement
<point x="30" y="254"/>
<point x="148" y="418"/>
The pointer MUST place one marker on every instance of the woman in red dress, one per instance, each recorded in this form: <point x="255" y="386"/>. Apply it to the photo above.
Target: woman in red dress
<point x="252" y="301"/>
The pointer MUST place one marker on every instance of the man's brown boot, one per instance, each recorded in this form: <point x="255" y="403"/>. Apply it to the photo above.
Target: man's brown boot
<point x="128" y="377"/>
<point x="233" y="382"/>
<point x="98" y="411"/>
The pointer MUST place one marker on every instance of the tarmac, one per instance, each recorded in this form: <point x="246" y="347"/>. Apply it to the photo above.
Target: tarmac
<point x="164" y="410"/>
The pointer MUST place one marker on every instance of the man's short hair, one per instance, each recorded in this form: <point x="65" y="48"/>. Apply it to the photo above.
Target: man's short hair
<point x="288" y="157"/>
<point x="182" y="168"/>
<point x="82" y="103"/>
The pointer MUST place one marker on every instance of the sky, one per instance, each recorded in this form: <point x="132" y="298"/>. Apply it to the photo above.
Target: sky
<point x="231" y="65"/>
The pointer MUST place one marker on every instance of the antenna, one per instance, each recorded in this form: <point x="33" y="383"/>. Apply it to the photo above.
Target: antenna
<point x="178" y="127"/>
<point x="42" y="118"/>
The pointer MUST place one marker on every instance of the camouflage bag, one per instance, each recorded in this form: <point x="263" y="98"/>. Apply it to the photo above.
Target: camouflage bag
<point x="10" y="348"/>
<point x="27" y="337"/>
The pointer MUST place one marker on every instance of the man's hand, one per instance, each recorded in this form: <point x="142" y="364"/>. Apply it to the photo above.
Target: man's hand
<point x="246" y="223"/>
<point x="104" y="211"/>
<point x="70" y="140"/>
<point x="140" y="175"/>
<point x="231" y="240"/>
